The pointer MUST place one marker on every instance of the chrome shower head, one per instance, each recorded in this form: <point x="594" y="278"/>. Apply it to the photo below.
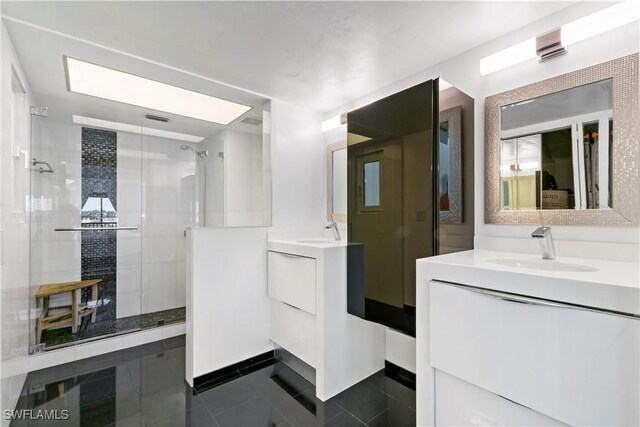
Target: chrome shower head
<point x="198" y="153"/>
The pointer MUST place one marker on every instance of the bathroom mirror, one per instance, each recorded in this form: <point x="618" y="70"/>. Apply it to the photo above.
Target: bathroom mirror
<point x="450" y="166"/>
<point x="337" y="182"/>
<point x="564" y="150"/>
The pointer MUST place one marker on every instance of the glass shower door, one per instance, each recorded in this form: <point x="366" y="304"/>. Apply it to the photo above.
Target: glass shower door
<point x="85" y="218"/>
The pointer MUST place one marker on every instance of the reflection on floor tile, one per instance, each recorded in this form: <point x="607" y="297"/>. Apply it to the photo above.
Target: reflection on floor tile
<point x="144" y="387"/>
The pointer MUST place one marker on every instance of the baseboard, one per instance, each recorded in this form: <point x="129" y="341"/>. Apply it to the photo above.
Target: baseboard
<point x="401" y="375"/>
<point x="234" y="371"/>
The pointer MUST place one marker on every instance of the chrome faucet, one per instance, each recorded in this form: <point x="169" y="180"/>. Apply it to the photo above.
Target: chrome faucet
<point x="545" y="239"/>
<point x="334" y="227"/>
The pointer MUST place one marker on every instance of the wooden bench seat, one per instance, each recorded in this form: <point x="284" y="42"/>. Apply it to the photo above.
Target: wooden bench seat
<point x="53" y="317"/>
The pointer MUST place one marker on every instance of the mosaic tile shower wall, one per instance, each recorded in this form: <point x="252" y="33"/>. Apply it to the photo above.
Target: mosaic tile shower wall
<point x="98" y="248"/>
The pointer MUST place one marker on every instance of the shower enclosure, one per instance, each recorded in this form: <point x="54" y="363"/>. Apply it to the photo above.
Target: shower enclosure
<point x="109" y="210"/>
<point x="111" y="187"/>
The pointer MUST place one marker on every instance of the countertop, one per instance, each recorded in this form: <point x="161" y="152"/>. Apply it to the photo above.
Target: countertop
<point x="613" y="286"/>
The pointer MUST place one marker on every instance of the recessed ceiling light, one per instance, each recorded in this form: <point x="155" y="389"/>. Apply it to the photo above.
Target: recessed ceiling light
<point x="140" y="130"/>
<point x="102" y="82"/>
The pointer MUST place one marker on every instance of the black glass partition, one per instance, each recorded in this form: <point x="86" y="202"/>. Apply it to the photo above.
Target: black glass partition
<point x="392" y="209"/>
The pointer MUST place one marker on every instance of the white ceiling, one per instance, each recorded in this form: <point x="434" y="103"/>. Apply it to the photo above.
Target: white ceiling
<point x="320" y="54"/>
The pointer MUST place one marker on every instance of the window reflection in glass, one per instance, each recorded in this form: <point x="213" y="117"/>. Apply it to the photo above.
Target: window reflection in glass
<point x="98" y="209"/>
<point x="372" y="184"/>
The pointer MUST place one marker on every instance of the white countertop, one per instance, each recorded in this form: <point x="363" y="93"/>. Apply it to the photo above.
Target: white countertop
<point x="305" y="246"/>
<point x="613" y="286"/>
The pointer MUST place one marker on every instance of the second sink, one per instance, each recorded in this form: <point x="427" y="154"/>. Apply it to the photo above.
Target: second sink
<point x="540" y="265"/>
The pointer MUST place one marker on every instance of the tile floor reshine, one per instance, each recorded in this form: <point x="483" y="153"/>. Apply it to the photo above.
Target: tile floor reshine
<point x="144" y="386"/>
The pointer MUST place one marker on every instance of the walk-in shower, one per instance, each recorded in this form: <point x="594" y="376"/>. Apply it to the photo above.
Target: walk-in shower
<point x="105" y="190"/>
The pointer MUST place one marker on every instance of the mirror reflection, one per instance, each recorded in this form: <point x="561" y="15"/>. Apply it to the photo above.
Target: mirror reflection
<point x="444" y="162"/>
<point x="555" y="150"/>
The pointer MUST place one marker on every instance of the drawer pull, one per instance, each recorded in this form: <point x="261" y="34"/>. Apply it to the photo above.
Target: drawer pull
<point x="539" y="302"/>
<point x="289" y="255"/>
<point x="292" y="306"/>
<point x="284" y="254"/>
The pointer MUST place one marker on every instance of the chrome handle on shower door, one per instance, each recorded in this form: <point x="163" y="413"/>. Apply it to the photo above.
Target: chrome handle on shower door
<point x="96" y="228"/>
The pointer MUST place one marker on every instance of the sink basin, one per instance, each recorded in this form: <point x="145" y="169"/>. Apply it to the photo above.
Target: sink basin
<point x="540" y="265"/>
<point x="319" y="241"/>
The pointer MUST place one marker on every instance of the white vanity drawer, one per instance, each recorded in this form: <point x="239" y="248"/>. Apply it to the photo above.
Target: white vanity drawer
<point x="459" y="403"/>
<point x="579" y="367"/>
<point x="292" y="279"/>
<point x="294" y="330"/>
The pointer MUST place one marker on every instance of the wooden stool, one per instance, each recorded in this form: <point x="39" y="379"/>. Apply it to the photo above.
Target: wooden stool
<point x="51" y="317"/>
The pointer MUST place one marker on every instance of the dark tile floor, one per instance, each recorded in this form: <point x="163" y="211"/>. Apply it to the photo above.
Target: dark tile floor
<point x="144" y="386"/>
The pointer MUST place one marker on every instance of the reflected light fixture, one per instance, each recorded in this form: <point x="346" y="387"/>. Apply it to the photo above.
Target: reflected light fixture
<point x="106" y="83"/>
<point x="140" y="130"/>
<point x="333" y="123"/>
<point x="607" y="19"/>
<point x="444" y="85"/>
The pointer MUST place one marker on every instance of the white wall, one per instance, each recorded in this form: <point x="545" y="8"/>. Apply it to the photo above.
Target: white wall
<point x="297" y="159"/>
<point x="156" y="192"/>
<point x="56" y="199"/>
<point x="243" y="179"/>
<point x="463" y="72"/>
<point x="227" y="302"/>
<point x="14" y="229"/>
<point x="234" y="183"/>
<point x="166" y="216"/>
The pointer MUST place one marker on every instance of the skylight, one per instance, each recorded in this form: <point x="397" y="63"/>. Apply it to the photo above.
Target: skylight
<point x="106" y="83"/>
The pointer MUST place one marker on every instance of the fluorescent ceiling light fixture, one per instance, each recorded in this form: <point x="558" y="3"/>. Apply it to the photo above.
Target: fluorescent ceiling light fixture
<point x="102" y="82"/>
<point x="508" y="57"/>
<point x="589" y="26"/>
<point x="332" y="123"/>
<point x="140" y="130"/>
<point x="600" y="22"/>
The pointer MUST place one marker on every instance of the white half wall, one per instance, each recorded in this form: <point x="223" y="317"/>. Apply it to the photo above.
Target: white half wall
<point x="227" y="302"/>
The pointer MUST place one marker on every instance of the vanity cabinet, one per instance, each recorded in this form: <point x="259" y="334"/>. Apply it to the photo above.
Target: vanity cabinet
<point x="504" y="355"/>
<point x="292" y="280"/>
<point x="307" y="285"/>
<point x="460" y="403"/>
<point x="292" y="289"/>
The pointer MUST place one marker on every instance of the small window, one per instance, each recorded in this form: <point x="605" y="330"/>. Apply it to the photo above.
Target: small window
<point x="372" y="184"/>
